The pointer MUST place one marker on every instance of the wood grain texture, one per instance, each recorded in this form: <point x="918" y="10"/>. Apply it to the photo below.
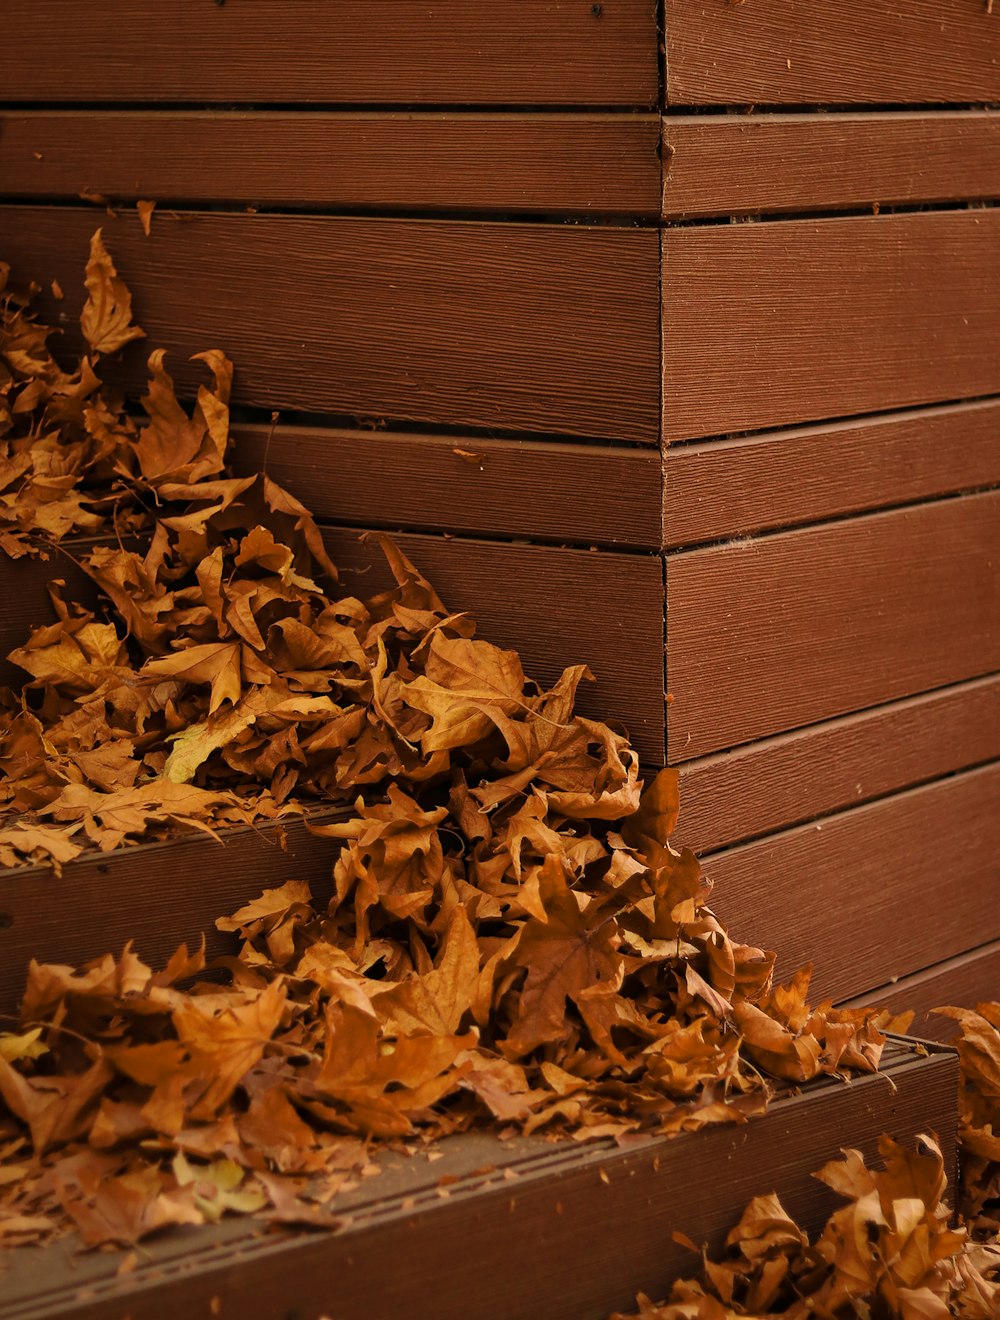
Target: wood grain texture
<point x="781" y="52"/>
<point x="768" y="785"/>
<point x="574" y="164"/>
<point x="458" y="52"/>
<point x="965" y="981"/>
<point x="158" y="894"/>
<point x="587" y="494"/>
<point x="770" y="634"/>
<point x="547" y="328"/>
<point x="874" y="893"/>
<point x="399" y="1243"/>
<point x="767" y="324"/>
<point x="557" y="607"/>
<point x="724" y="488"/>
<point x="749" y="165"/>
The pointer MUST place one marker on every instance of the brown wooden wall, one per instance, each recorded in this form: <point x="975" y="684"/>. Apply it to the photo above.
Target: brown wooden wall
<point x="703" y="350"/>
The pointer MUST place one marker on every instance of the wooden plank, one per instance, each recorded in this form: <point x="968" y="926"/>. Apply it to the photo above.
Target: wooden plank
<point x="770" y="634"/>
<point x="576" y="164"/>
<point x="874" y="893"/>
<point x="768" y="785"/>
<point x="587" y="494"/>
<point x="457" y="52"/>
<point x="779" y="52"/>
<point x="557" y="607"/>
<point x="400" y="1240"/>
<point x="752" y="164"/>
<point x="156" y="894"/>
<point x="966" y="980"/>
<point x="723" y="488"/>
<point x="766" y="324"/>
<point x="549" y="328"/>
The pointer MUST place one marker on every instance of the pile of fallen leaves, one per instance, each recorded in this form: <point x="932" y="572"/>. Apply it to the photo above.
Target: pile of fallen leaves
<point x="511" y="939"/>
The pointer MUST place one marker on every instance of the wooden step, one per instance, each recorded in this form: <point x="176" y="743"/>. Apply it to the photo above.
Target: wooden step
<point x="505" y="1230"/>
<point x="966" y="980"/>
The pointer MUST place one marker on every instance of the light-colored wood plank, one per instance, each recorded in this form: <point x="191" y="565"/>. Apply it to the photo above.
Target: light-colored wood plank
<point x="773" y="323"/>
<point x="964" y="981"/>
<point x="875" y="893"/>
<point x="752" y="164"/>
<point x="548" y="328"/>
<point x="785" y="52"/>
<point x="723" y="488"/>
<point x="455" y="52"/>
<point x="768" y="785"/>
<point x="567" y="163"/>
<point x="582" y="494"/>
<point x="777" y="632"/>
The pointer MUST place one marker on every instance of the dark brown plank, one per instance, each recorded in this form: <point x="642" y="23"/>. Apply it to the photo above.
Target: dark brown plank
<point x="782" y="52"/>
<point x="965" y="981"/>
<point x="587" y="494"/>
<point x="768" y="785"/>
<point x="771" y="323"/>
<point x="770" y="634"/>
<point x="548" y="328"/>
<point x="457" y="52"/>
<point x="722" y="488"/>
<point x="751" y="164"/>
<point x="875" y="893"/>
<point x="557" y="607"/>
<point x="397" y="1254"/>
<point x="570" y="164"/>
<point x="157" y="894"/>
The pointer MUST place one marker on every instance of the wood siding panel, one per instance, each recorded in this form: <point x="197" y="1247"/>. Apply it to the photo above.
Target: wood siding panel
<point x="518" y="327"/>
<point x="771" y="634"/>
<point x="875" y="893"/>
<point x="782" y="52"/>
<point x="399" y="1238"/>
<point x="747" y="165"/>
<point x="573" y="164"/>
<point x="723" y="488"/>
<point x="458" y="52"/>
<point x="965" y="981"/>
<point x="767" y="324"/>
<point x="794" y="777"/>
<point x="587" y="494"/>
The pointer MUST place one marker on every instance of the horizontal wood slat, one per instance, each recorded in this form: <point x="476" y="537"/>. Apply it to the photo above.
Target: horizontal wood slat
<point x="766" y="324"/>
<point x="587" y="494"/>
<point x="770" y="634"/>
<point x="458" y="52"/>
<point x="571" y="164"/>
<point x="750" y="164"/>
<point x="545" y="328"/>
<point x="781" y="52"/>
<point x="768" y="785"/>
<point x="724" y="488"/>
<point x="965" y="981"/>
<point x="399" y="1239"/>
<point x="874" y="893"/>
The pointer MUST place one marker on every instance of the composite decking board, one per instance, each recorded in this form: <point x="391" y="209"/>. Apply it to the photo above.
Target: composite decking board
<point x="531" y="327"/>
<point x="967" y="980"/>
<point x="773" y="633"/>
<point x="399" y="1252"/>
<point x="751" y="164"/>
<point x="736" y="795"/>
<point x="784" y="52"/>
<point x="605" y="164"/>
<point x="459" y="52"/>
<point x="582" y="494"/>
<point x="794" y="320"/>
<point x="724" y="488"/>
<point x="157" y="895"/>
<point x="874" y="893"/>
